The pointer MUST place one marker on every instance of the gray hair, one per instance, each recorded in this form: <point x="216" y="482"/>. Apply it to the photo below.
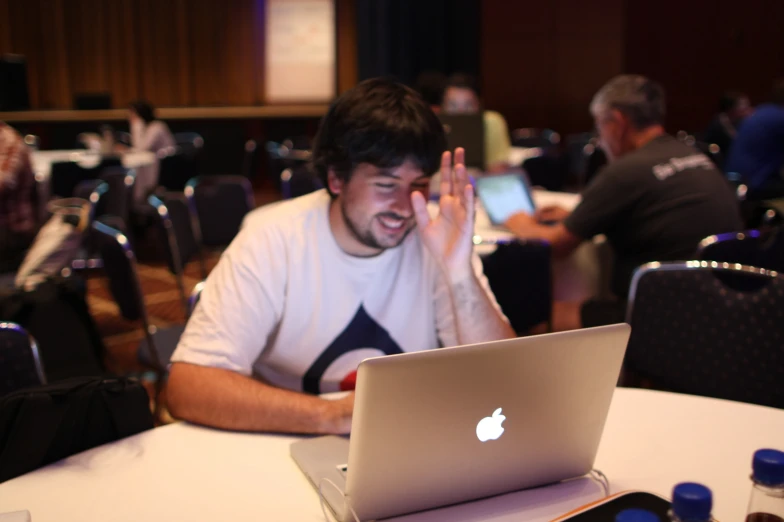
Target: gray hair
<point x="638" y="98"/>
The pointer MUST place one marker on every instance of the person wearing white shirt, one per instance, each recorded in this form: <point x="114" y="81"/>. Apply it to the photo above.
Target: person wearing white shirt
<point x="147" y="134"/>
<point x="312" y="286"/>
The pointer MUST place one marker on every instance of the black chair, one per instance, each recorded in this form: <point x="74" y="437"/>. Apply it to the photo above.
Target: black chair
<point x="20" y="362"/>
<point x="119" y="263"/>
<point x="219" y="203"/>
<point x="66" y="175"/>
<point x="298" y="181"/>
<point x="708" y="328"/>
<point x="751" y="248"/>
<point x="713" y="152"/>
<point x="176" y="169"/>
<point x="520" y="276"/>
<point x="529" y="137"/>
<point x="548" y="171"/>
<point x="290" y="154"/>
<point x="250" y="159"/>
<point x="93" y="191"/>
<point x="175" y="226"/>
<point x="195" y="296"/>
<point x="189" y="140"/>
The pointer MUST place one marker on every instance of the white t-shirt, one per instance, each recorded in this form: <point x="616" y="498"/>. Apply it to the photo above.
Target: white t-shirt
<point x="286" y="305"/>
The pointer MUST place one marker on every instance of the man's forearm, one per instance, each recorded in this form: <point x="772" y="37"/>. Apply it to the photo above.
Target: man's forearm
<point x="476" y="319"/>
<point x="227" y="400"/>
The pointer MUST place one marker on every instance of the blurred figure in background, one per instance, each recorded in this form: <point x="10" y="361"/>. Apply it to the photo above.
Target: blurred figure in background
<point x="148" y="132"/>
<point x="734" y="107"/>
<point x="461" y="97"/>
<point x="757" y="154"/>
<point x="17" y="199"/>
<point x="430" y="85"/>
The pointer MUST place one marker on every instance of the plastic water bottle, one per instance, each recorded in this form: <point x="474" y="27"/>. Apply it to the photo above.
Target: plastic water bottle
<point x="636" y="515"/>
<point x="691" y="502"/>
<point x="767" y="494"/>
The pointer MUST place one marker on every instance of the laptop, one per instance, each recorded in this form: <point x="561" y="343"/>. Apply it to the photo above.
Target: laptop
<point x="503" y="195"/>
<point x="449" y="425"/>
<point x="467" y="131"/>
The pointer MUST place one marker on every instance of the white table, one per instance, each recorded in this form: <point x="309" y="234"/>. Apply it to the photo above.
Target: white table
<point x="651" y="441"/>
<point x="576" y="277"/>
<point x="144" y="162"/>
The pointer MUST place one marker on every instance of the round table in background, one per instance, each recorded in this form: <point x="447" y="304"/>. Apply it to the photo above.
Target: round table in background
<point x="143" y="161"/>
<point x="651" y="441"/>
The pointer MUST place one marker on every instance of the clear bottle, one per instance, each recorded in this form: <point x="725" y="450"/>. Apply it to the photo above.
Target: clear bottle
<point x="691" y="502"/>
<point x="767" y="494"/>
<point x="636" y="515"/>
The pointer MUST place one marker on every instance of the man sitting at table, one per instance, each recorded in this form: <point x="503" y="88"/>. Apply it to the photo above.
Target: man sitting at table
<point x="654" y="201"/>
<point x="312" y="286"/>
<point x="18" y="199"/>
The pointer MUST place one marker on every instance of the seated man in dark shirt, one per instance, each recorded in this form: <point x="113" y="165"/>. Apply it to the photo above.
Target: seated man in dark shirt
<point x="757" y="154"/>
<point x="654" y="201"/>
<point x="734" y="107"/>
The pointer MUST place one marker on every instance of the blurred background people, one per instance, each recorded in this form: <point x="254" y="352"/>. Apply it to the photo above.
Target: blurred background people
<point x="148" y="132"/>
<point x="734" y="107"/>
<point x="462" y="97"/>
<point x="757" y="154"/>
<point x="17" y="199"/>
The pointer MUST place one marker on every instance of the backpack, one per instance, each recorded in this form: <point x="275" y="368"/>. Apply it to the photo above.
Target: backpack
<point x="45" y="424"/>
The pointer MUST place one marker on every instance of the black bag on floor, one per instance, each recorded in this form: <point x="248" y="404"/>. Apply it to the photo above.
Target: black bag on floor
<point x="42" y="425"/>
<point x="57" y="317"/>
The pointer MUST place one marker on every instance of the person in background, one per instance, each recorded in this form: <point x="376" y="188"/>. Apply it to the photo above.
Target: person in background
<point x="655" y="200"/>
<point x="17" y="199"/>
<point x="461" y="97"/>
<point x="430" y="85"/>
<point x="148" y="132"/>
<point x="314" y="285"/>
<point x="757" y="154"/>
<point x="734" y="107"/>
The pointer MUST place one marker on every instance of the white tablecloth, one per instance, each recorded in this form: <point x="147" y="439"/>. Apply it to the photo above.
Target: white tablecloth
<point x="651" y="441"/>
<point x="144" y="162"/>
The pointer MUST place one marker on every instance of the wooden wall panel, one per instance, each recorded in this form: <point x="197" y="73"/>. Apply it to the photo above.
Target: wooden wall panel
<point x="171" y="52"/>
<point x="709" y="46"/>
<point x="543" y="61"/>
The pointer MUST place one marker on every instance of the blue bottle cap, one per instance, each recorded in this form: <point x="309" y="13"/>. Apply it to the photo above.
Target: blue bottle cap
<point x="768" y="466"/>
<point x="636" y="515"/>
<point x="691" y="501"/>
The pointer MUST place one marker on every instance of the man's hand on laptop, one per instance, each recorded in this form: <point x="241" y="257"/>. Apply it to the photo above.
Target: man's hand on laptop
<point x="336" y="418"/>
<point x="552" y="214"/>
<point x="449" y="236"/>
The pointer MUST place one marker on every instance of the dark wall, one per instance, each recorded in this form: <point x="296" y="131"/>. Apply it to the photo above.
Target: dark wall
<point x="543" y="61"/>
<point x="403" y="38"/>
<point x="698" y="49"/>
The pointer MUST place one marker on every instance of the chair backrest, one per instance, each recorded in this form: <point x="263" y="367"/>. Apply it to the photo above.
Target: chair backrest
<point x="249" y="159"/>
<point x="708" y="328"/>
<point x="220" y="204"/>
<point x="548" y="171"/>
<point x="192" y="139"/>
<point x="20" y="362"/>
<point x="195" y="296"/>
<point x="713" y="152"/>
<point x="175" y="223"/>
<point x="298" y="181"/>
<point x="119" y="263"/>
<point x="750" y="248"/>
<point x="66" y="175"/>
<point x="92" y="191"/>
<point x="119" y="198"/>
<point x="176" y="170"/>
<point x="520" y="276"/>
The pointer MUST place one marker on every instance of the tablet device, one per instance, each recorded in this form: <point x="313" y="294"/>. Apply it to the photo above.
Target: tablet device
<point x="503" y="195"/>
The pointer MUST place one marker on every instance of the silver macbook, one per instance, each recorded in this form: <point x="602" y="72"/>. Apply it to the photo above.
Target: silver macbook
<point x="449" y="425"/>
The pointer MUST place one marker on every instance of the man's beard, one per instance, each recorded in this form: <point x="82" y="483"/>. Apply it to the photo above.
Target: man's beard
<point x="366" y="237"/>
